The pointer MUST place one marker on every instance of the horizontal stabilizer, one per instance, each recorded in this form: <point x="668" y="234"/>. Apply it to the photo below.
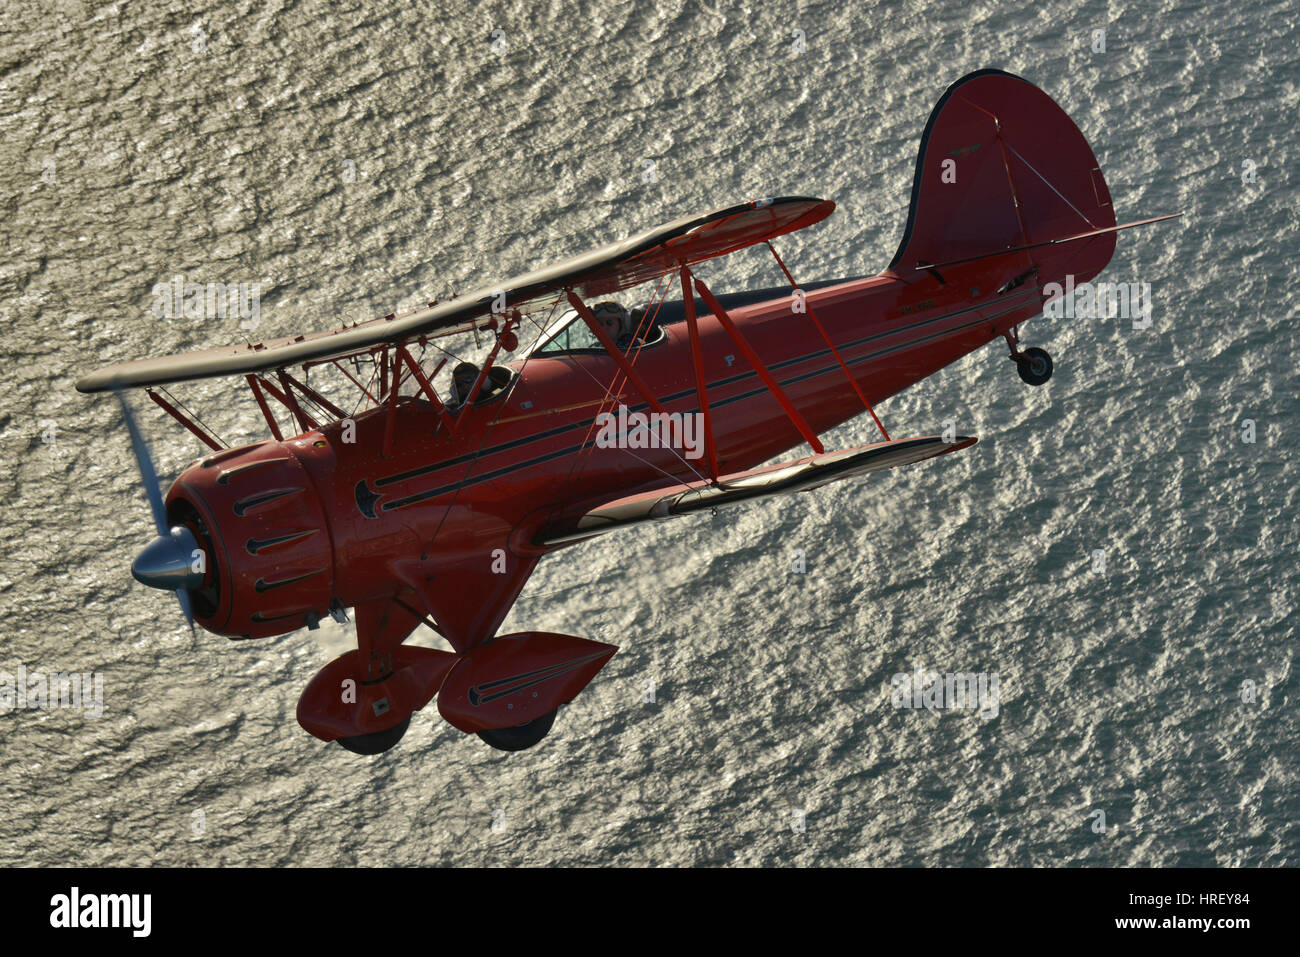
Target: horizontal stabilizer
<point x="799" y="476"/>
<point x="1046" y="242"/>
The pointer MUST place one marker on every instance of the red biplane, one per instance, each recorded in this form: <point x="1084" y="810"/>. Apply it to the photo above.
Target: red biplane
<point x="428" y="508"/>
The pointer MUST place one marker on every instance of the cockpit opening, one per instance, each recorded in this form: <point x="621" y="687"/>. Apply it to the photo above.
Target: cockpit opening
<point x="628" y="329"/>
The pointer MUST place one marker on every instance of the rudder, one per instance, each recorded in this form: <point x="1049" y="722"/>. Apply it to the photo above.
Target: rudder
<point x="1002" y="165"/>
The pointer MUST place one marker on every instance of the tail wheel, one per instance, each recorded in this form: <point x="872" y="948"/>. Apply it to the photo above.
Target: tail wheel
<point x="376" y="742"/>
<point x="522" y="736"/>
<point x="1034" y="365"/>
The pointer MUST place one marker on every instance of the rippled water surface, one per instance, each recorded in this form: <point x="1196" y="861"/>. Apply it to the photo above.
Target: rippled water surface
<point x="357" y="159"/>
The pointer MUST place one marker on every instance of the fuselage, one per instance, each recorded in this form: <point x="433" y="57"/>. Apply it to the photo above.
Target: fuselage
<point x="345" y="522"/>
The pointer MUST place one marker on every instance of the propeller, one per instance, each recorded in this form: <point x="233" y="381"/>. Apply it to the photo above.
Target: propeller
<point x="167" y="561"/>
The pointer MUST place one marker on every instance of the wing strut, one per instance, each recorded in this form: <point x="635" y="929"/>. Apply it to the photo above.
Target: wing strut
<point x="208" y="440"/>
<point x="835" y="352"/>
<point x="353" y="380"/>
<point x="589" y="318"/>
<point x="390" y="415"/>
<point x="483" y="374"/>
<point x="426" y="386"/>
<point x="252" y="379"/>
<point x="768" y="380"/>
<point x="701" y="392"/>
<point x="305" y="421"/>
<point x="312" y="395"/>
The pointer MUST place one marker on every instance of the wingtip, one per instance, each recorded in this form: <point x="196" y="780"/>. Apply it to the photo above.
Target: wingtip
<point x="102" y="380"/>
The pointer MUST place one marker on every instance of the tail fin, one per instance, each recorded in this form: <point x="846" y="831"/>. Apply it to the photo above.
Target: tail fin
<point x="1002" y="166"/>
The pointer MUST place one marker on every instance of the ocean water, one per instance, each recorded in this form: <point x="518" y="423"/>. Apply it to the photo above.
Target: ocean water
<point x="1113" y="550"/>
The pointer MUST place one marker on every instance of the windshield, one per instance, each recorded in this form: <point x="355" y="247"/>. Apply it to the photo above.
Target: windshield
<point x="576" y="336"/>
<point x="573" y="335"/>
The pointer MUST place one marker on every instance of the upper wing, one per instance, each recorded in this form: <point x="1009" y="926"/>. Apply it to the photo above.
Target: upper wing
<point x="608" y="269"/>
<point x="799" y="476"/>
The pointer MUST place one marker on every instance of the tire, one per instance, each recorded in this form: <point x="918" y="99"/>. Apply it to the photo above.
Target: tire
<point x="1034" y="366"/>
<point x="377" y="742"/>
<point x="522" y="736"/>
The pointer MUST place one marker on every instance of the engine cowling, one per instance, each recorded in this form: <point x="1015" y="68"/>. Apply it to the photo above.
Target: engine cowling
<point x="258" y="516"/>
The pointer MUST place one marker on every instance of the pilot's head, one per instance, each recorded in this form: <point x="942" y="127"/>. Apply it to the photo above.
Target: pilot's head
<point x="463" y="378"/>
<point x="612" y="318"/>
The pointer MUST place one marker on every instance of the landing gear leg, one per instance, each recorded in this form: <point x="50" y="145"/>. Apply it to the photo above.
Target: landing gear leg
<point x="377" y="742"/>
<point x="1033" y="364"/>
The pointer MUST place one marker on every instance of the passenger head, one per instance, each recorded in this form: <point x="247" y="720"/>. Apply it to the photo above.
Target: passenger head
<point x="612" y="318"/>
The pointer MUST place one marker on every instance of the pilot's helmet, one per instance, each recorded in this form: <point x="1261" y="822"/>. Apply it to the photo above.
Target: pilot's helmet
<point x="462" y="380"/>
<point x="612" y="318"/>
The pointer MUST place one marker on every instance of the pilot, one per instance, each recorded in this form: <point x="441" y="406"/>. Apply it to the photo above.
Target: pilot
<point x="463" y="378"/>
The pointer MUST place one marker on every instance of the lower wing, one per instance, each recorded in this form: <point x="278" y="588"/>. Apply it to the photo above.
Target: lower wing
<point x="591" y="519"/>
